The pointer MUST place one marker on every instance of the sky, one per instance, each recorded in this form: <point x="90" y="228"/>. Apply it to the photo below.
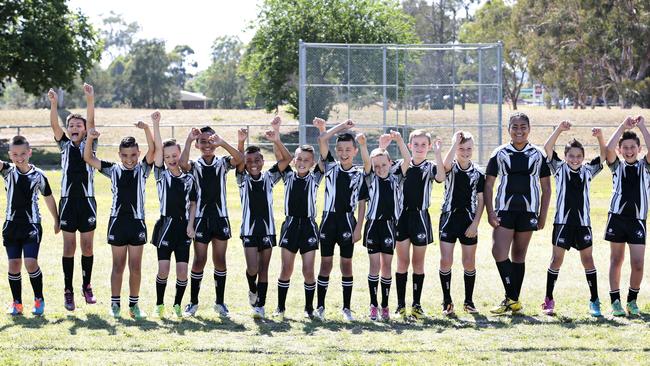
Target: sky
<point x="193" y="22"/>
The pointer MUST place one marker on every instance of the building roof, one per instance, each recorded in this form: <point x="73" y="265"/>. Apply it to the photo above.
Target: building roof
<point x="192" y="97"/>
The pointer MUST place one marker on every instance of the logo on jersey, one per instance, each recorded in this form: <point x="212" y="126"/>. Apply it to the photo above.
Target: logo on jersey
<point x="443" y="234"/>
<point x="610" y="230"/>
<point x="33" y="233"/>
<point x="587" y="237"/>
<point x="560" y="240"/>
<point x="639" y="234"/>
<point x="111" y="237"/>
<point x="92" y="219"/>
<point x="369" y="241"/>
<point x="285" y="241"/>
<point x="164" y="243"/>
<point x="226" y="230"/>
<point x="421" y="236"/>
<point x="312" y="240"/>
<point x="388" y="241"/>
<point x="322" y="235"/>
<point x="533" y="221"/>
<point x="347" y="235"/>
<point x="198" y="234"/>
<point x="142" y="235"/>
<point x="246" y="240"/>
<point x="63" y="222"/>
<point x="266" y="240"/>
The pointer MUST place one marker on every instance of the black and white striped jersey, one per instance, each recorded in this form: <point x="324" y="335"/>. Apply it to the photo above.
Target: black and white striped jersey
<point x="174" y="193"/>
<point x="300" y="192"/>
<point x="384" y="194"/>
<point x="22" y="192"/>
<point x="76" y="175"/>
<point x="257" y="202"/>
<point x="210" y="181"/>
<point x="462" y="187"/>
<point x="519" y="171"/>
<point x="342" y="187"/>
<point x="572" y="190"/>
<point x="631" y="186"/>
<point x="417" y="185"/>
<point x="127" y="186"/>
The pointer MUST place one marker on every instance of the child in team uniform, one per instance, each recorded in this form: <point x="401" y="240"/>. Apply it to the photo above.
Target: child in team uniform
<point x="257" y="226"/>
<point x="211" y="224"/>
<point x="383" y="179"/>
<point x="460" y="216"/>
<point x="127" y="232"/>
<point x="22" y="231"/>
<point x="174" y="230"/>
<point x="299" y="230"/>
<point x="343" y="186"/>
<point x="628" y="210"/>
<point x="572" y="225"/>
<point x="77" y="207"/>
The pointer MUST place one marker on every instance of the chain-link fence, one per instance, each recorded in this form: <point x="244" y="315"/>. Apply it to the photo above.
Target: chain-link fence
<point x="439" y="88"/>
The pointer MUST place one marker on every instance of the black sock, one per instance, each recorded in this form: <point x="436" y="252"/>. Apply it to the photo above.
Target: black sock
<point x="161" y="285"/>
<point x="347" y="283"/>
<point x="615" y="295"/>
<point x="86" y="270"/>
<point x="373" y="283"/>
<point x="445" y="283"/>
<point x="323" y="282"/>
<point x="385" y="290"/>
<point x="505" y="272"/>
<point x="551" y="277"/>
<point x="261" y="293"/>
<point x="470" y="278"/>
<point x="518" y="271"/>
<point x="632" y="293"/>
<point x="68" y="272"/>
<point x="310" y="288"/>
<point x="219" y="284"/>
<point x="15" y="282"/>
<point x="115" y="300"/>
<point x="133" y="300"/>
<point x="195" y="286"/>
<point x="180" y="291"/>
<point x="36" y="278"/>
<point x="252" y="286"/>
<point x="592" y="281"/>
<point x="283" y="288"/>
<point x="418" y="281"/>
<point x="400" y="279"/>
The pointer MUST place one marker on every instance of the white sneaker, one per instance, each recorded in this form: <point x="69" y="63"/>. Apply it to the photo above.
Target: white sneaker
<point x="279" y="315"/>
<point x="320" y="313"/>
<point x="190" y="309"/>
<point x="258" y="312"/>
<point x="222" y="310"/>
<point x="252" y="298"/>
<point x="347" y="315"/>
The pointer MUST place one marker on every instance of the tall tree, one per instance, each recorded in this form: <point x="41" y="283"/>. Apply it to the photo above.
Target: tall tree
<point x="181" y="62"/>
<point x="147" y="74"/>
<point x="118" y="35"/>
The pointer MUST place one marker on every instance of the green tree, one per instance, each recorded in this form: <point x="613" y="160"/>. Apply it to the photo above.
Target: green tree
<point x="148" y="81"/>
<point x="44" y="44"/>
<point x="180" y="59"/>
<point x="118" y="35"/>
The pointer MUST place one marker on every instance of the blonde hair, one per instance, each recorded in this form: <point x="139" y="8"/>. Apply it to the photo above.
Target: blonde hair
<point x="418" y="133"/>
<point x="379" y="152"/>
<point x="466" y="137"/>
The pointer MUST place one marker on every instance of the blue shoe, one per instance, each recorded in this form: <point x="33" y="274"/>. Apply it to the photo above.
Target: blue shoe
<point x="39" y="307"/>
<point x="594" y="308"/>
<point x="15" y="308"/>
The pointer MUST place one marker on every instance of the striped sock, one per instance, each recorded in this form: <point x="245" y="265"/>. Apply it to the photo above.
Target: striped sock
<point x="592" y="281"/>
<point x="347" y="283"/>
<point x="470" y="279"/>
<point x="615" y="295"/>
<point x="115" y="300"/>
<point x="15" y="282"/>
<point x="283" y="288"/>
<point x="385" y="290"/>
<point x="418" y="281"/>
<point x="161" y="285"/>
<point x="220" y="284"/>
<point x="323" y="283"/>
<point x="310" y="288"/>
<point x="195" y="286"/>
<point x="181" y="285"/>
<point x="551" y="277"/>
<point x="445" y="283"/>
<point x="373" y="283"/>
<point x="133" y="300"/>
<point x="632" y="294"/>
<point x="36" y="278"/>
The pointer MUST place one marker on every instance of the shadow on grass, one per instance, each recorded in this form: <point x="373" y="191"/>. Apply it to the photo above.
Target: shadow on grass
<point x="92" y="321"/>
<point x="201" y="324"/>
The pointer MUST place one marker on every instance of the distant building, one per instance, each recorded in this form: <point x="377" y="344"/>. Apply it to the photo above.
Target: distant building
<point x="191" y="100"/>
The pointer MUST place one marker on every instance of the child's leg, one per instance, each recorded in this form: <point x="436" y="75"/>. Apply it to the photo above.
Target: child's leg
<point x="161" y="280"/>
<point x="15" y="279"/>
<point x="288" y="259"/>
<point x="181" y="281"/>
<point x="469" y="271"/>
<point x="446" y="260"/>
<point x="252" y="266"/>
<point x="263" y="275"/>
<point x="417" y="261"/>
<point x="86" y="240"/>
<point x="308" y="262"/>
<point x="373" y="277"/>
<point x="590" y="271"/>
<point x="219" y="260"/>
<point x="117" y="271"/>
<point x="554" y="270"/>
<point x="518" y="251"/>
<point x="69" y="247"/>
<point x="501" y="242"/>
<point x="135" y="272"/>
<point x="617" y="255"/>
<point x="347" y="281"/>
<point x="637" y="253"/>
<point x="200" y="257"/>
<point x="403" y="250"/>
<point x="323" y="278"/>
<point x="386" y="279"/>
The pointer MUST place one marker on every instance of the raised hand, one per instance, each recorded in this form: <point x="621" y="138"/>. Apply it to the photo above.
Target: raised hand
<point x="242" y="134"/>
<point x="629" y="123"/>
<point x="93" y="133"/>
<point x="319" y="123"/>
<point x="88" y="90"/>
<point x="564" y="126"/>
<point x="395" y="136"/>
<point x="275" y="123"/>
<point x="457" y="138"/>
<point x="640" y="121"/>
<point x="349" y="124"/>
<point x="272" y="135"/>
<point x="52" y="96"/>
<point x="437" y="146"/>
<point x="194" y="134"/>
<point x="141" y="125"/>
<point x="189" y="231"/>
<point x="597" y="132"/>
<point x="361" y="139"/>
<point x="215" y="139"/>
<point x="384" y="140"/>
<point x="155" y="117"/>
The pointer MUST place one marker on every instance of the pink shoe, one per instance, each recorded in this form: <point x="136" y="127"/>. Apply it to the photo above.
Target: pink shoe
<point x="68" y="302"/>
<point x="548" y="307"/>
<point x="374" y="313"/>
<point x="88" y="295"/>
<point x="385" y="314"/>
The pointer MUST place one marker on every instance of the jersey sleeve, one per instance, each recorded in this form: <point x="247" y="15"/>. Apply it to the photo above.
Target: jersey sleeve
<point x="274" y="174"/>
<point x="158" y="172"/>
<point x="193" y="195"/>
<point x="492" y="168"/>
<point x="61" y="143"/>
<point x="106" y="168"/>
<point x="367" y="180"/>
<point x="594" y="166"/>
<point x="5" y="168"/>
<point x="364" y="194"/>
<point x="227" y="162"/>
<point x="554" y="163"/>
<point x="146" y="168"/>
<point x="329" y="162"/>
<point x="614" y="165"/>
<point x="285" y="174"/>
<point x="645" y="164"/>
<point x="480" y="184"/>
<point x="544" y="170"/>
<point x="44" y="186"/>
<point x="240" y="176"/>
<point x="318" y="174"/>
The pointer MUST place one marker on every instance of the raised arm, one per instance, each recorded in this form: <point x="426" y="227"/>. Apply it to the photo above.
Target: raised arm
<point x="598" y="134"/>
<point x="236" y="155"/>
<point x="403" y="150"/>
<point x="365" y="156"/>
<point x="451" y="153"/>
<point x="242" y="135"/>
<point x="158" y="154"/>
<point x="640" y="123"/>
<point x="51" y="206"/>
<point x="279" y="149"/>
<point x="275" y="125"/>
<point x="151" y="145"/>
<point x="54" y="117"/>
<point x="549" y="146"/>
<point x="185" y="155"/>
<point x="319" y="123"/>
<point x="323" y="139"/>
<point x="90" y="106"/>
<point x="440" y="165"/>
<point x="627" y="124"/>
<point x="384" y="140"/>
<point x="89" y="158"/>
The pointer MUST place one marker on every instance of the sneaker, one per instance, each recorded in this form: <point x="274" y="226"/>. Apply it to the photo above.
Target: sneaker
<point x="114" y="311"/>
<point x="548" y="306"/>
<point x="39" y="307"/>
<point x="252" y="298"/>
<point x="347" y="315"/>
<point x="448" y="310"/>
<point x="515" y="306"/>
<point x="68" y="300"/>
<point x="279" y="315"/>
<point x="136" y="313"/>
<point x="15" y="308"/>
<point x="505" y="306"/>
<point x="594" y="308"/>
<point x="374" y="313"/>
<point x="258" y="312"/>
<point x="190" y="309"/>
<point x="385" y="314"/>
<point x="320" y="313"/>
<point x="470" y="308"/>
<point x="401" y="311"/>
<point x="178" y="311"/>
<point x="88" y="295"/>
<point x="222" y="310"/>
<point x="417" y="312"/>
<point x="617" y="308"/>
<point x="309" y="314"/>
<point x="632" y="308"/>
<point x="159" y="311"/>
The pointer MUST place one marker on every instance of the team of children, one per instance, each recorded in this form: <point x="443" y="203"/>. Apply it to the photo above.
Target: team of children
<point x="393" y="197"/>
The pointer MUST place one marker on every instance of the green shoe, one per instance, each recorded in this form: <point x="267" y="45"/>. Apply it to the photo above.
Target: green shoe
<point x="136" y="313"/>
<point x="178" y="311"/>
<point x="417" y="312"/>
<point x="617" y="308"/>
<point x="158" y="311"/>
<point x="632" y="308"/>
<point x="114" y="311"/>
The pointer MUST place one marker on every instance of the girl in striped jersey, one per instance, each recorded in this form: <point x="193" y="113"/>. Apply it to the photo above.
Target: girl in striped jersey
<point x="572" y="226"/>
<point x="383" y="179"/>
<point x="174" y="230"/>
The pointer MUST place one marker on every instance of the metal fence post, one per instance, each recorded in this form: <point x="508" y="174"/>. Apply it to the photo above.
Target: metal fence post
<point x="383" y="87"/>
<point x="302" y="97"/>
<point x="480" y="106"/>
<point x="348" y="82"/>
<point x="500" y="91"/>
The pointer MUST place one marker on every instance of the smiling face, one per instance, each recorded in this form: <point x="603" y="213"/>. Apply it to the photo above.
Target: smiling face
<point x="381" y="165"/>
<point x="254" y="162"/>
<point x="203" y="144"/>
<point x="464" y="151"/>
<point x="20" y="154"/>
<point x="129" y="156"/>
<point x="420" y="146"/>
<point x="171" y="156"/>
<point x="345" y="152"/>
<point x="629" y="149"/>
<point x="76" y="130"/>
<point x="519" y="130"/>
<point x="303" y="161"/>
<point x="574" y="157"/>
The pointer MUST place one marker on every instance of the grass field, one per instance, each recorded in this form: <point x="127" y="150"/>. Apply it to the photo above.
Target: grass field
<point x="89" y="336"/>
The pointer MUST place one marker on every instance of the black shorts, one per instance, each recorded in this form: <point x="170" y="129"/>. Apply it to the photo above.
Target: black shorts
<point x="78" y="214"/>
<point x="572" y="236"/>
<point x="20" y="238"/>
<point x="379" y="236"/>
<point x="261" y="242"/>
<point x="453" y="225"/>
<point x="415" y="226"/>
<point x="621" y="229"/>
<point x="124" y="230"/>
<point x="337" y="228"/>
<point x="170" y="236"/>
<point x="519" y="221"/>
<point x="299" y="233"/>
<point x="211" y="226"/>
